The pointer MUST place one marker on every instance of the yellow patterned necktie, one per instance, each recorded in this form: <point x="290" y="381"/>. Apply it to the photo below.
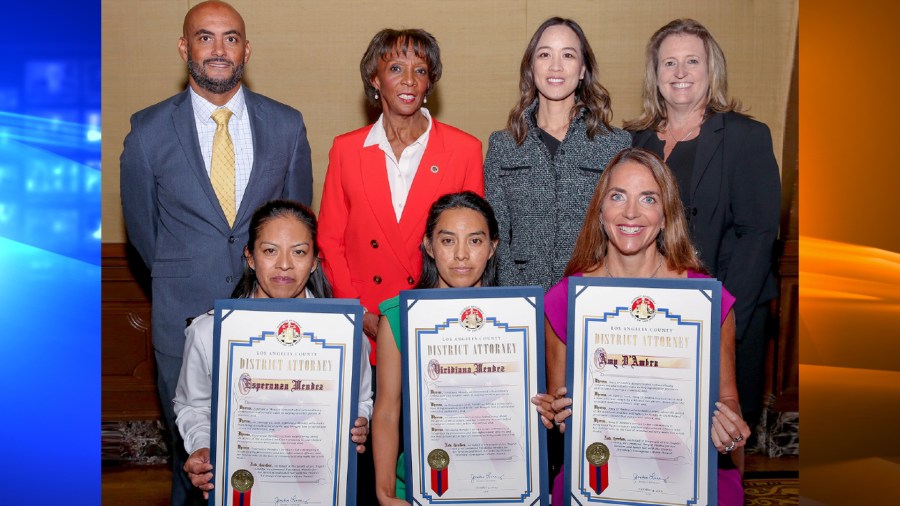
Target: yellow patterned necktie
<point x="221" y="170"/>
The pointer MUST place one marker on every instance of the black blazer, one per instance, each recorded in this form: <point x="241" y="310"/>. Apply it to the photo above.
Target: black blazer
<point x="735" y="207"/>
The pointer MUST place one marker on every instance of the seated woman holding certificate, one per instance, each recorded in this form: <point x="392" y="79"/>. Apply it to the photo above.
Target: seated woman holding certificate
<point x="282" y="263"/>
<point x="461" y="236"/>
<point x="635" y="228"/>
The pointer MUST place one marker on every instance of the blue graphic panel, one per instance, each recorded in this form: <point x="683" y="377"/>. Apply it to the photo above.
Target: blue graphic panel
<point x="50" y="252"/>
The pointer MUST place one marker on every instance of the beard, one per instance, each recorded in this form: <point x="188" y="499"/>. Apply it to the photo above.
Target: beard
<point x="216" y="86"/>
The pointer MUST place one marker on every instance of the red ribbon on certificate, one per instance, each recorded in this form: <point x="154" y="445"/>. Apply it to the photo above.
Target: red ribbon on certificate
<point x="439" y="481"/>
<point x="439" y="461"/>
<point x="597" y="455"/>
<point x="599" y="477"/>
<point x="241" y="498"/>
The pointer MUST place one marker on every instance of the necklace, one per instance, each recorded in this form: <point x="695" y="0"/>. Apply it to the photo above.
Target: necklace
<point x="658" y="265"/>
<point x="672" y="136"/>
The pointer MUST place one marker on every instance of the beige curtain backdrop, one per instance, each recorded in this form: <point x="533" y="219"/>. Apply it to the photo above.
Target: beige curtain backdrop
<point x="306" y="54"/>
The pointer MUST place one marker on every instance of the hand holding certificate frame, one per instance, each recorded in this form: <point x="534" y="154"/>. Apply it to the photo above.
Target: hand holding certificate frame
<point x="285" y="376"/>
<point x="642" y="369"/>
<point x="473" y="358"/>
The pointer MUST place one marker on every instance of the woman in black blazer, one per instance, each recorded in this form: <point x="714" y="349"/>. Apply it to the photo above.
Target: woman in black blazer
<point x="728" y="178"/>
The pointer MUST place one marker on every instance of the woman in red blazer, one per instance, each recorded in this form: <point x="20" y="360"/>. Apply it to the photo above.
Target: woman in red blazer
<point x="382" y="178"/>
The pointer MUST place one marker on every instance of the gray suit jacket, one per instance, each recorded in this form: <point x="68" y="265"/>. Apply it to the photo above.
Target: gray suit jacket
<point x="173" y="217"/>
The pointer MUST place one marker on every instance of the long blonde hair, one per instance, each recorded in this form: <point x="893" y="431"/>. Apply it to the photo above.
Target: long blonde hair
<point x="654" y="108"/>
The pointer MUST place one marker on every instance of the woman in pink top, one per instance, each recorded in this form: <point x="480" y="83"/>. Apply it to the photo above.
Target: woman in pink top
<point x="635" y="228"/>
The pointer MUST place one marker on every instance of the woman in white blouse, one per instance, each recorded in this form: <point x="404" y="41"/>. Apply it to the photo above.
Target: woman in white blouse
<point x="282" y="263"/>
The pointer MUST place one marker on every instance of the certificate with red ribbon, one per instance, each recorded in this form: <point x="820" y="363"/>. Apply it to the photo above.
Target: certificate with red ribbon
<point x="472" y="359"/>
<point x="642" y="370"/>
<point x="285" y="386"/>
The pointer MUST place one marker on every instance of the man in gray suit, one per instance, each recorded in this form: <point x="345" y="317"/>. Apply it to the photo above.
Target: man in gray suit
<point x="191" y="176"/>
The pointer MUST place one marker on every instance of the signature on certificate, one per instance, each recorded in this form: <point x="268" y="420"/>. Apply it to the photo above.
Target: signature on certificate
<point x="652" y="477"/>
<point x="488" y="477"/>
<point x="290" y="501"/>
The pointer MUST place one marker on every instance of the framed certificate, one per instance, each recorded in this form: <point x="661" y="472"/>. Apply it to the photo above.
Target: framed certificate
<point x="285" y="376"/>
<point x="473" y="358"/>
<point x="642" y="369"/>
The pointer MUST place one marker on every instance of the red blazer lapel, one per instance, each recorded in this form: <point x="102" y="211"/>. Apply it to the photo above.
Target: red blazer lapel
<point x="373" y="174"/>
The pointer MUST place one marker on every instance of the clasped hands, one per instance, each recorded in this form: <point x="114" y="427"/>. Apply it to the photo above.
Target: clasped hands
<point x="554" y="409"/>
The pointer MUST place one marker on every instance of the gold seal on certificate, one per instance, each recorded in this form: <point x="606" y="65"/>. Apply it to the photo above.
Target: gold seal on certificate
<point x="438" y="459"/>
<point x="242" y="480"/>
<point x="597" y="454"/>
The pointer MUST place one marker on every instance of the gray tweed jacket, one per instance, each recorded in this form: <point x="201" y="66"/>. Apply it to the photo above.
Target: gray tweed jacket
<point x="540" y="201"/>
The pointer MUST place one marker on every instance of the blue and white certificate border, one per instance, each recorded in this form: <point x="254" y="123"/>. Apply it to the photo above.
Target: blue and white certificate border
<point x="534" y="296"/>
<point x="346" y="412"/>
<point x="709" y="288"/>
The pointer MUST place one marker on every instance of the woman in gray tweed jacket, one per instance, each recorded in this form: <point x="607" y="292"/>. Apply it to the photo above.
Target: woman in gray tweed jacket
<point x="540" y="172"/>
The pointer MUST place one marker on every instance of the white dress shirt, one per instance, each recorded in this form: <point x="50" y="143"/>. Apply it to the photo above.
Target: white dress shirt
<point x="400" y="172"/>
<point x="193" y="395"/>
<point x="238" y="128"/>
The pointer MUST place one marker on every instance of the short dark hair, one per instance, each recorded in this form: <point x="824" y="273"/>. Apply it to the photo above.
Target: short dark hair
<point x="461" y="200"/>
<point x="317" y="283"/>
<point x="388" y="41"/>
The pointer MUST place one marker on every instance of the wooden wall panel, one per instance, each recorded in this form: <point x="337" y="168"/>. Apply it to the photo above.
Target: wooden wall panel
<point x="785" y="357"/>
<point x="129" y="377"/>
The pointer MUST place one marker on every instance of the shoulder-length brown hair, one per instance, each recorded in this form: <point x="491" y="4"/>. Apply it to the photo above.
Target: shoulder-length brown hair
<point x="590" y="94"/>
<point x="673" y="241"/>
<point x="654" y="106"/>
<point x="388" y="41"/>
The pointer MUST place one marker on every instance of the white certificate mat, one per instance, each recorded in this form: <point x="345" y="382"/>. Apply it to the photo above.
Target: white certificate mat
<point x="285" y="376"/>
<point x="473" y="358"/>
<point x="642" y="370"/>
